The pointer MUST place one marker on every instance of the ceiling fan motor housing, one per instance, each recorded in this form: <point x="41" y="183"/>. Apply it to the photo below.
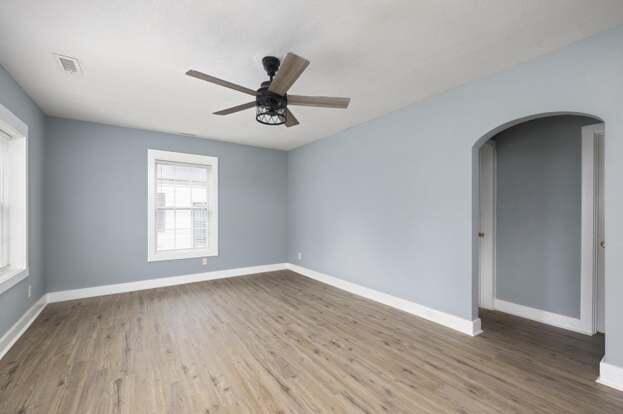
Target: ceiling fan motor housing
<point x="271" y="107"/>
<point x="269" y="99"/>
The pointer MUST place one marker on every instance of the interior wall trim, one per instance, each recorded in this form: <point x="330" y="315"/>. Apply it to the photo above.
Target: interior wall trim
<point x="538" y="315"/>
<point x="610" y="375"/>
<point x="459" y="324"/>
<point x="64" y="295"/>
<point x="19" y="327"/>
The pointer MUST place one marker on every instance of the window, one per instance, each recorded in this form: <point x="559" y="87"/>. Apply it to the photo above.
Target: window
<point x="182" y="205"/>
<point x="4" y="201"/>
<point x="13" y="200"/>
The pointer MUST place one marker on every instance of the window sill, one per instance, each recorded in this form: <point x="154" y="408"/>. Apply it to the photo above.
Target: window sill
<point x="180" y="254"/>
<point x="10" y="277"/>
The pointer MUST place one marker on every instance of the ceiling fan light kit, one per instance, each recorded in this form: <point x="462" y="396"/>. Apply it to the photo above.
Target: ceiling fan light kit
<point x="271" y="109"/>
<point x="271" y="99"/>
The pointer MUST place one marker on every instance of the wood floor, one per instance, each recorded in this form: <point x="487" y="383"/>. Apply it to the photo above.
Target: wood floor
<point x="282" y="343"/>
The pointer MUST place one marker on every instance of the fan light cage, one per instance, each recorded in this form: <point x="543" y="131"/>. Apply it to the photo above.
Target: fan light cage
<point x="269" y="115"/>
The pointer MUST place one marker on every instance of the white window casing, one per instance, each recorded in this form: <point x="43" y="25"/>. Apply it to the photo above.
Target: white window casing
<point x="13" y="200"/>
<point x="182" y="205"/>
<point x="4" y="201"/>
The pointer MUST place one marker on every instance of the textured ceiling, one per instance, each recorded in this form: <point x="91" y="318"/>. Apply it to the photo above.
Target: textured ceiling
<point x="383" y="54"/>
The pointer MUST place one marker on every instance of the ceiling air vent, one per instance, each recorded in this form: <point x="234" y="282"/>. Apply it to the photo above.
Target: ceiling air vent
<point x="68" y="64"/>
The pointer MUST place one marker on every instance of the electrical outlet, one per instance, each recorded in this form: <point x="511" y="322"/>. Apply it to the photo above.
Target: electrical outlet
<point x="204" y="261"/>
<point x="29" y="290"/>
<point x="300" y="255"/>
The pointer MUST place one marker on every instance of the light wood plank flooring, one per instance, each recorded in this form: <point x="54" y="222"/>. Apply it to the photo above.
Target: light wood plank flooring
<point x="279" y="342"/>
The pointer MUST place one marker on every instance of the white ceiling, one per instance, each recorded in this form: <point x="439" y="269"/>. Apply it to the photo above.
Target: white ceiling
<point x="383" y="54"/>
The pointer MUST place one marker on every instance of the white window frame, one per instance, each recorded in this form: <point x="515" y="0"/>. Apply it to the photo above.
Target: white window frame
<point x="18" y="268"/>
<point x="212" y="250"/>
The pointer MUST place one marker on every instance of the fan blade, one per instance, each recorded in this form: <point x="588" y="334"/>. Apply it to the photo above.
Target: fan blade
<point x="291" y="119"/>
<point x="319" y="101"/>
<point x="221" y="82"/>
<point x="235" y="109"/>
<point x="290" y="70"/>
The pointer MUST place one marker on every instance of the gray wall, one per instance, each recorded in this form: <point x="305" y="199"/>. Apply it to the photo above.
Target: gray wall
<point x="96" y="205"/>
<point x="539" y="196"/>
<point x="392" y="204"/>
<point x="14" y="302"/>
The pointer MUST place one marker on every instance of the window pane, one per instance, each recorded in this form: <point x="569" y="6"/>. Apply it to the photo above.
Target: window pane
<point x="184" y="173"/>
<point x="165" y="240"/>
<point x="200" y="237"/>
<point x="165" y="195"/>
<point x="200" y="218"/>
<point x="182" y="195"/>
<point x="165" y="220"/>
<point x="191" y="173"/>
<point x="199" y="196"/>
<point x="165" y="171"/>
<point x="183" y="239"/>
<point x="201" y="174"/>
<point x="169" y="216"/>
<point x="182" y="219"/>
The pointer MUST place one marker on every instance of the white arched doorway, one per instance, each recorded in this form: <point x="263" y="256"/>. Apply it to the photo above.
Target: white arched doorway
<point x="591" y="313"/>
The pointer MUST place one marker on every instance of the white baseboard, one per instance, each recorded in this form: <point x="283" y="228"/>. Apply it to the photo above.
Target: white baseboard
<point x="465" y="326"/>
<point x="548" y="318"/>
<point x="610" y="375"/>
<point x="18" y="329"/>
<point x="64" y="295"/>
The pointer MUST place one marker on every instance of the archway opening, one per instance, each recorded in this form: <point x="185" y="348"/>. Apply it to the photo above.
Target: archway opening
<point x="537" y="228"/>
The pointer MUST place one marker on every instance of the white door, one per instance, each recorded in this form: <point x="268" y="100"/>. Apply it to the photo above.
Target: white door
<point x="601" y="231"/>
<point x="593" y="229"/>
<point x="487" y="188"/>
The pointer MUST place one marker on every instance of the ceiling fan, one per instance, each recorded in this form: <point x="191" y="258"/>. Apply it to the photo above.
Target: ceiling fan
<point x="271" y="99"/>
